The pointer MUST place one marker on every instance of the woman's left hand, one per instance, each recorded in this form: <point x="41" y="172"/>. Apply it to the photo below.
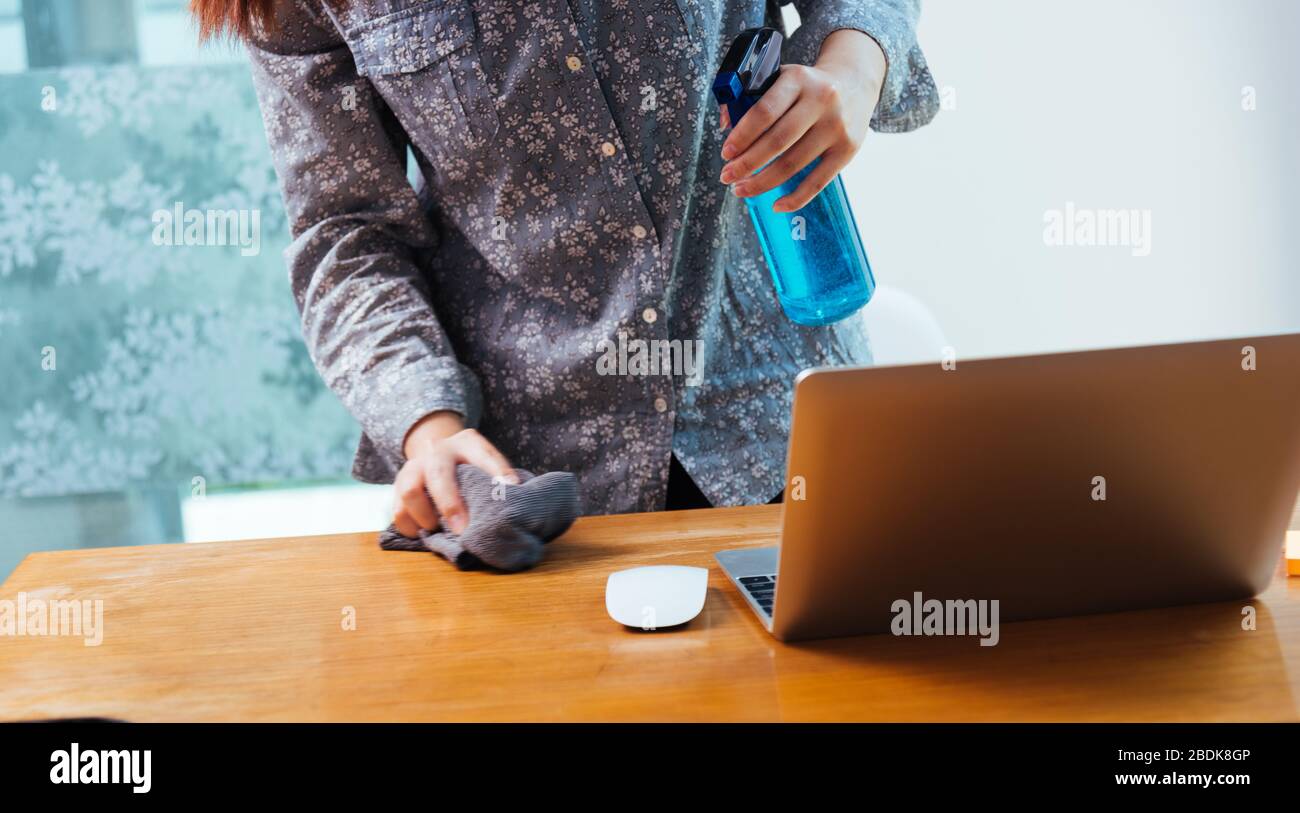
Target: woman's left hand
<point x="823" y="111"/>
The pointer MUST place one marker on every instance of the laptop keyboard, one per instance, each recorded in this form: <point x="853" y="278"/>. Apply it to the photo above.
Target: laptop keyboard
<point x="762" y="588"/>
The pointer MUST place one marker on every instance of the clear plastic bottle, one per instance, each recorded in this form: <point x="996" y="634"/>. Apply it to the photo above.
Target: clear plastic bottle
<point x="816" y="257"/>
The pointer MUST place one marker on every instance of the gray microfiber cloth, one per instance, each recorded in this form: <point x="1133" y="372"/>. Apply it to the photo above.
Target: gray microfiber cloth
<point x="508" y="524"/>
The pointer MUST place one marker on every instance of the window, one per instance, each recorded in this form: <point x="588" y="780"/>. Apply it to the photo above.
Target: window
<point x="145" y="375"/>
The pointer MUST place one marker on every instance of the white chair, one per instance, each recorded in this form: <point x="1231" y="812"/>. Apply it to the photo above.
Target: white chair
<point x="902" y="329"/>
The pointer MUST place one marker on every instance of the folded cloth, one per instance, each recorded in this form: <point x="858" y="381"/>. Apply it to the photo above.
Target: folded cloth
<point x="508" y="524"/>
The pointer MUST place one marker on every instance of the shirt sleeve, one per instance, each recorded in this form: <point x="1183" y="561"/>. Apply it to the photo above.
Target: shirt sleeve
<point x="358" y="230"/>
<point x="908" y="98"/>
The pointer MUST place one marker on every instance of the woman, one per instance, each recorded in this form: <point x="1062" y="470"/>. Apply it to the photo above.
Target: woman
<point x="571" y="193"/>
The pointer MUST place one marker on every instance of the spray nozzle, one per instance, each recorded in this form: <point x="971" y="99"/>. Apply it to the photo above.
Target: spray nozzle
<point x="748" y="70"/>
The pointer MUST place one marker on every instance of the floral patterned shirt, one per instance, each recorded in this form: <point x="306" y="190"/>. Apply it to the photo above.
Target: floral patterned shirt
<point x="565" y="202"/>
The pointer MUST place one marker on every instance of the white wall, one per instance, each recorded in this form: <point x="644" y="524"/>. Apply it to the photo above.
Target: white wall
<point x="1133" y="104"/>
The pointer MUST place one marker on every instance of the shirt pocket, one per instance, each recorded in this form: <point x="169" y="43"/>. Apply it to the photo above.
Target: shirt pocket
<point x="424" y="63"/>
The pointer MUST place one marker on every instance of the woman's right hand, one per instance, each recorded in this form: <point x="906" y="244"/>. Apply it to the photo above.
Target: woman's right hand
<point x="426" y="485"/>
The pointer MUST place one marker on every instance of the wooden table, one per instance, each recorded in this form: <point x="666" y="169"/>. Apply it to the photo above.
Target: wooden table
<point x="254" y="631"/>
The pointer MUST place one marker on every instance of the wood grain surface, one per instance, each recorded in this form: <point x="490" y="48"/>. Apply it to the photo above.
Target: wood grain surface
<point x="254" y="630"/>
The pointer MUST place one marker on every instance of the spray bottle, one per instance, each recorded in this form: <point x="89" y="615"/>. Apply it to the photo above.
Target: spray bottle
<point x="816" y="257"/>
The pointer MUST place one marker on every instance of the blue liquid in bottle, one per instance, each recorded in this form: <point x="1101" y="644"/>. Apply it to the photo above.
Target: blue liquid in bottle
<point x="816" y="257"/>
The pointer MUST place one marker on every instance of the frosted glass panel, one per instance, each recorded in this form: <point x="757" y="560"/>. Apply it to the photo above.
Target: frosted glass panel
<point x="145" y="364"/>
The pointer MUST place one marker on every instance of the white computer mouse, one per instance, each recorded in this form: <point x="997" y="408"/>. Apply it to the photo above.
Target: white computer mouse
<point x="656" y="596"/>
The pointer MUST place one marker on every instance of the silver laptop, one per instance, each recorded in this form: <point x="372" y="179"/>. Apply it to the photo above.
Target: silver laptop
<point x="1056" y="485"/>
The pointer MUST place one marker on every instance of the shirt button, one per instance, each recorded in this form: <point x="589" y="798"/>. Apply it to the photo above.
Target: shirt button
<point x="661" y="405"/>
<point x="638" y="231"/>
<point x="607" y="148"/>
<point x="650" y="315"/>
<point x="573" y="62"/>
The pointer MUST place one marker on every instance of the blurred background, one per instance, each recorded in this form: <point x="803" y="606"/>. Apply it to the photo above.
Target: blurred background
<point x="1187" y="109"/>
<point x="153" y="393"/>
<point x="162" y="393"/>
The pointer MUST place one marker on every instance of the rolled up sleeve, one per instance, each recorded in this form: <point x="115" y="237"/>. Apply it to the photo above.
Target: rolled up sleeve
<point x="908" y="98"/>
<point x="358" y="231"/>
